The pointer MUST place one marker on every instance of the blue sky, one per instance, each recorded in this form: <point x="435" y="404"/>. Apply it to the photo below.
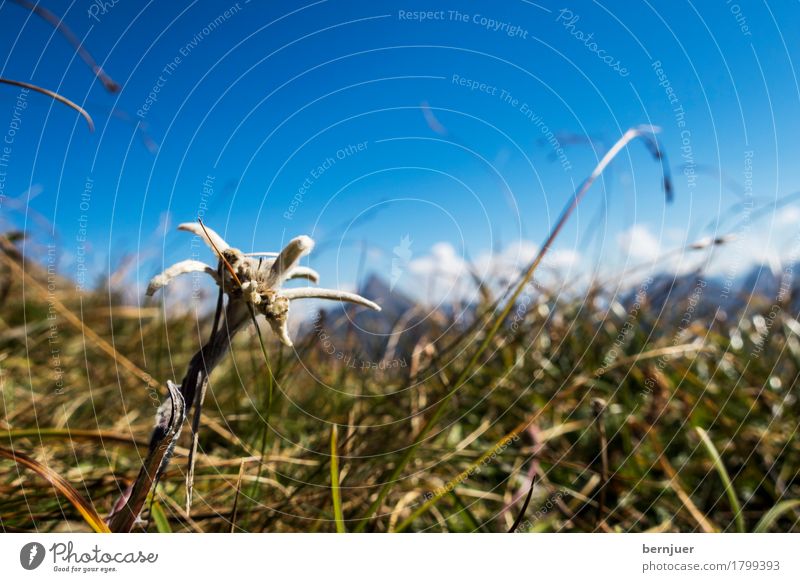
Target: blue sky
<point x="364" y="123"/>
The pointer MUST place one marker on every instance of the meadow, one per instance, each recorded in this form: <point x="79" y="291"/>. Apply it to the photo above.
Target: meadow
<point x="668" y="406"/>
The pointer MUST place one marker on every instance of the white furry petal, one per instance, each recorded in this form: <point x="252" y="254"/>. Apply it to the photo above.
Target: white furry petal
<point x="178" y="269"/>
<point x="288" y="258"/>
<point x="303" y="273"/>
<point x="315" y="293"/>
<point x="194" y="227"/>
<point x="281" y="329"/>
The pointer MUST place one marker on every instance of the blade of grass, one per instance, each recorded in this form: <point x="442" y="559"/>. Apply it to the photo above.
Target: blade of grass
<point x="72" y="434"/>
<point x="774" y="514"/>
<point x="236" y="497"/>
<point x="461" y="477"/>
<point x="83" y="506"/>
<point x="468" y="516"/>
<point x="598" y="410"/>
<point x="466" y="372"/>
<point x="53" y="95"/>
<point x="726" y="480"/>
<point x="674" y="479"/>
<point x="267" y="414"/>
<point x="160" y="518"/>
<point x="58" y="23"/>
<point x="263" y="445"/>
<point x="522" y="511"/>
<point x="335" y="491"/>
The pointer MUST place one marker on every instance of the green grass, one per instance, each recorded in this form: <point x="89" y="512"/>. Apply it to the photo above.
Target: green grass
<point x="525" y="398"/>
<point x="335" y="489"/>
<point x="725" y="478"/>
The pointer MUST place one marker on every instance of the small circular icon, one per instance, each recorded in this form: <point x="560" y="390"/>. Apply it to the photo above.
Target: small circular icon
<point x="31" y="555"/>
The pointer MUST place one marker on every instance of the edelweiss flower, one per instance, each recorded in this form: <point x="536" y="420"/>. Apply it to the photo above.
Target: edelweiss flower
<point x="255" y="279"/>
<point x="252" y="282"/>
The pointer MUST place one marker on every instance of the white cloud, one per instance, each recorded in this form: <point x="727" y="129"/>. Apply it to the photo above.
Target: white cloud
<point x="639" y="243"/>
<point x="789" y="216"/>
<point x="565" y="259"/>
<point x="444" y="275"/>
<point x="443" y="261"/>
<point x="439" y="276"/>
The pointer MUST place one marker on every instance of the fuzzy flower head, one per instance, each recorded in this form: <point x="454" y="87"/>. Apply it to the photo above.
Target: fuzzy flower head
<point x="254" y="280"/>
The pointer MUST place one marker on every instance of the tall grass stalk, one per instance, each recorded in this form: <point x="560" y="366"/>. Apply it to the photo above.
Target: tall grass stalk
<point x="726" y="480"/>
<point x="55" y="96"/>
<point x="84" y="507"/>
<point x="335" y="490"/>
<point x="769" y="519"/>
